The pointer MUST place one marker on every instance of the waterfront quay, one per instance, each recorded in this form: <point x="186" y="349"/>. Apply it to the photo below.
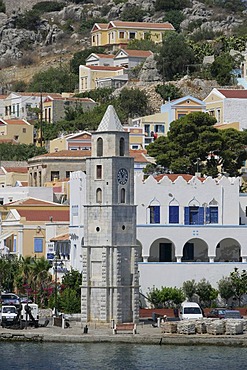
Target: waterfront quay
<point x="146" y="334"/>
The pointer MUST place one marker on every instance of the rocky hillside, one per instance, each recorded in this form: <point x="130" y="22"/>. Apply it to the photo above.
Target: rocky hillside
<point x="58" y="34"/>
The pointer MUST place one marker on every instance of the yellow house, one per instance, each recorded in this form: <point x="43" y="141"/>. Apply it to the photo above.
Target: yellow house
<point x="154" y="125"/>
<point x="28" y="225"/>
<point x="117" y="34"/>
<point x="9" y="176"/>
<point x="90" y="75"/>
<point x="228" y="106"/>
<point x="18" y="130"/>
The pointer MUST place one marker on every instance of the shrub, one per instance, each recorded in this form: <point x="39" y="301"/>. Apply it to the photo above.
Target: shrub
<point x="132" y="13"/>
<point x="29" y="20"/>
<point x="48" y="6"/>
<point x="2" y="7"/>
<point x="175" y="17"/>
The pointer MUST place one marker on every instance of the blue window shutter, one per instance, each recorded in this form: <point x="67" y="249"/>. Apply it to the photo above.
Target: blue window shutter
<point x="157" y="214"/>
<point x="38" y="245"/>
<point x="173" y="214"/>
<point x="214" y="215"/>
<point x="208" y="215"/>
<point x="201" y="216"/>
<point x="186" y="215"/>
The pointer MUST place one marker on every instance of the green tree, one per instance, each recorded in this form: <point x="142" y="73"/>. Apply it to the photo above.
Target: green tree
<point x="189" y="288"/>
<point x="79" y="58"/>
<point x="29" y="20"/>
<point x="19" y="152"/>
<point x="72" y="279"/>
<point x="103" y="95"/>
<point x="191" y="141"/>
<point x="225" y="289"/>
<point x="69" y="301"/>
<point x="132" y="13"/>
<point x="2" y="7"/>
<point x="168" y="91"/>
<point x="145" y="44"/>
<point x="48" y="6"/>
<point x="221" y="69"/>
<point x="55" y="80"/>
<point x="166" y="297"/>
<point x="133" y="102"/>
<point x="175" y="56"/>
<point x="239" y="283"/>
<point x="206" y="293"/>
<point x="175" y="17"/>
<point x="171" y="4"/>
<point x="190" y="137"/>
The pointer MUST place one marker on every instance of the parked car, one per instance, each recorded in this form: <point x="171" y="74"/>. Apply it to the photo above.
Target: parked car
<point x="217" y="313"/>
<point x="25" y="299"/>
<point x="233" y="314"/>
<point x="223" y="313"/>
<point x="8" y="315"/>
<point x="10" y="299"/>
<point x="190" y="310"/>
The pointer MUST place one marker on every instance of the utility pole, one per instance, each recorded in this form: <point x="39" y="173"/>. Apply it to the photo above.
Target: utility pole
<point x="41" y="117"/>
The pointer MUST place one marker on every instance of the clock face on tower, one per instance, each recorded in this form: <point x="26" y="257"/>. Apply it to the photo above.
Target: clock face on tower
<point x="122" y="176"/>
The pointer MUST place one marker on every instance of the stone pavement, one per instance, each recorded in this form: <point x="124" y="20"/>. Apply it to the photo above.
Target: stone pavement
<point x="146" y="334"/>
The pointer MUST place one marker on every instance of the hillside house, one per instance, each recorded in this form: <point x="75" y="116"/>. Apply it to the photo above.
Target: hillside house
<point x="117" y="34"/>
<point x="90" y="76"/>
<point x="228" y="106"/>
<point x="54" y="108"/>
<point x="131" y="58"/>
<point x="28" y="225"/>
<point x="18" y="130"/>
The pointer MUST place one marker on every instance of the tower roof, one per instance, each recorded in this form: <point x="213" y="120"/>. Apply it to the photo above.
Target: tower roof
<point x="110" y="121"/>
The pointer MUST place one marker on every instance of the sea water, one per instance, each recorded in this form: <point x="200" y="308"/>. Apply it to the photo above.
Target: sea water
<point x="63" y="356"/>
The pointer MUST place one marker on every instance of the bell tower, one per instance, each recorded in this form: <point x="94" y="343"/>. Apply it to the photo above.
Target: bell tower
<point x="110" y="283"/>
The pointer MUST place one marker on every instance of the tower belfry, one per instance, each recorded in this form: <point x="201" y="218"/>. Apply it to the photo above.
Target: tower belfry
<point x="110" y="283"/>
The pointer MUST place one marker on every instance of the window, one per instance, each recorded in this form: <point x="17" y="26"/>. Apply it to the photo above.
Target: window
<point x="38" y="245"/>
<point x="122" y="199"/>
<point x="68" y="174"/>
<point x="194" y="215"/>
<point x="24" y="130"/>
<point x="93" y="38"/>
<point x="54" y="175"/>
<point x="212" y="215"/>
<point x="98" y="195"/>
<point x="154" y="214"/>
<point x="18" y="110"/>
<point x="121" y="147"/>
<point x="16" y="137"/>
<point x="1" y="201"/>
<point x="132" y="35"/>
<point x="13" y="109"/>
<point x="99" y="147"/>
<point x="121" y="34"/>
<point x="159" y="128"/>
<point x="173" y="214"/>
<point x="180" y="115"/>
<point x="98" y="171"/>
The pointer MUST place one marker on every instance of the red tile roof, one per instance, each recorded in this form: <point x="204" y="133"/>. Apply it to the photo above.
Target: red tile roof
<point x="12" y="141"/>
<point x="99" y="26"/>
<point x="139" y="53"/>
<point x="65" y="154"/>
<point x="143" y="25"/>
<point x="34" y="202"/>
<point x="16" y="122"/>
<point x="16" y="169"/>
<point x="44" y="215"/>
<point x="139" y="155"/>
<point x="174" y="177"/>
<point x="234" y="93"/>
<point x="110" y="56"/>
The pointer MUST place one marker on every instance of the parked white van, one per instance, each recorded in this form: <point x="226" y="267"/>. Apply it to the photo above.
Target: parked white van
<point x="190" y="310"/>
